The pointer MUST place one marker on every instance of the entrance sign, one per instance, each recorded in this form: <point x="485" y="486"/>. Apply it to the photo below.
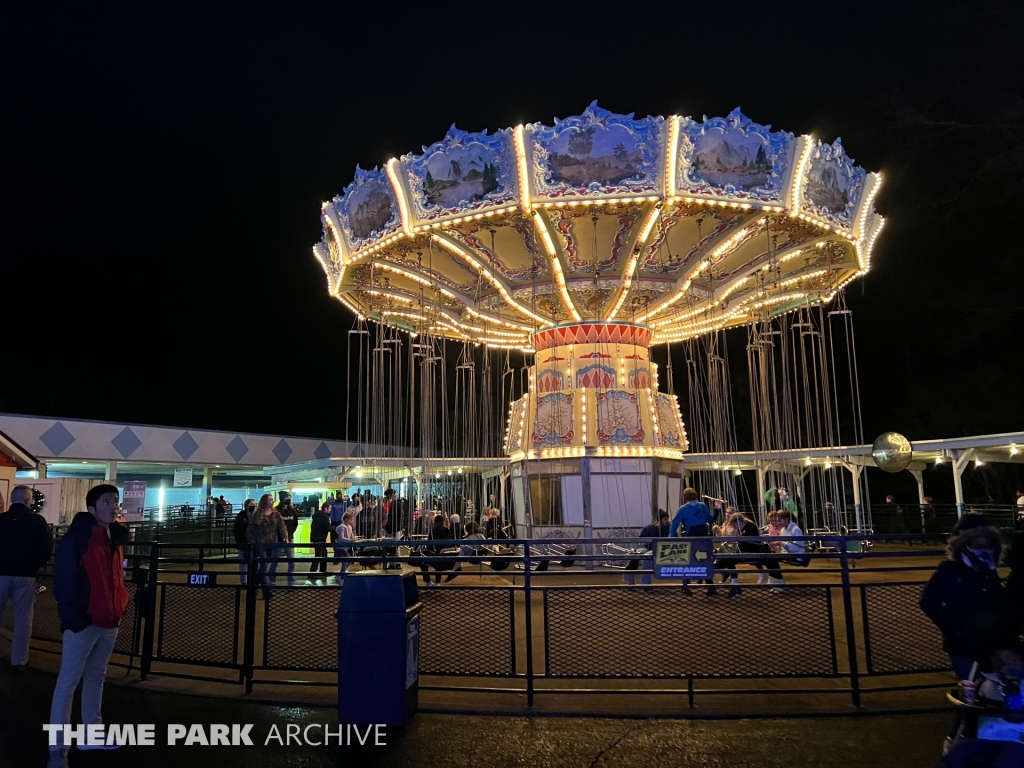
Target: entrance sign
<point x="134" y="500"/>
<point x="685" y="559"/>
<point x="183" y="477"/>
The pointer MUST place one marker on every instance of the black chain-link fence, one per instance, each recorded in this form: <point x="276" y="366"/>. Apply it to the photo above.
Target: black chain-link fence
<point x="198" y="625"/>
<point x="660" y="632"/>
<point x="574" y="631"/>
<point x="898" y="637"/>
<point x="467" y="631"/>
<point x="299" y="629"/>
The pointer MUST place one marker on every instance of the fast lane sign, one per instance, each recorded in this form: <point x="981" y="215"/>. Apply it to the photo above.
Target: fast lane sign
<point x="685" y="559"/>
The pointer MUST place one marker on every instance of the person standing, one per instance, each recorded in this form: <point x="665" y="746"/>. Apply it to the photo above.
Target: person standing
<point x="1019" y="517"/>
<point x="290" y="515"/>
<point x="896" y="511"/>
<point x="655" y="530"/>
<point x="91" y="599"/>
<point x="695" y="519"/>
<point x="319" y="527"/>
<point x="388" y="512"/>
<point x="338" y="509"/>
<point x="693" y="516"/>
<point x="266" y="528"/>
<point x="24" y="548"/>
<point x="964" y="599"/>
<point x="238" y="529"/>
<point x="369" y="520"/>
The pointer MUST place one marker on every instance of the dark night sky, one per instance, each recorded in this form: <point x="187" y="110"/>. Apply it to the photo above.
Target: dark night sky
<point x="163" y="169"/>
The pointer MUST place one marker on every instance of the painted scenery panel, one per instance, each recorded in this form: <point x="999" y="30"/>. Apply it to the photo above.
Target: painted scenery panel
<point x="618" y="417"/>
<point x="596" y="153"/>
<point x="464" y="171"/>
<point x="367" y="207"/>
<point x="733" y="157"/>
<point x="832" y="185"/>
<point x="584" y="156"/>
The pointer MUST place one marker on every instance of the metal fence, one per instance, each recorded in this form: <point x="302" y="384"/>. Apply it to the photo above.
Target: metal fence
<point x="851" y="615"/>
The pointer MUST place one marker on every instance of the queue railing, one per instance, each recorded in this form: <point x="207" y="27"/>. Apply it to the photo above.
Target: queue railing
<point x="522" y="618"/>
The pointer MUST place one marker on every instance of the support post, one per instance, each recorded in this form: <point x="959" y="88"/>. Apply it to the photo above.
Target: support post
<point x="207" y="484"/>
<point x="149" y="607"/>
<point x="528" y="607"/>
<point x="655" y="490"/>
<point x="111" y="471"/>
<point x="588" y="516"/>
<point x="959" y="465"/>
<point x="851" y="640"/>
<point x="858" y="506"/>
<point x="762" y="511"/>
<point x="527" y="500"/>
<point x="919" y="476"/>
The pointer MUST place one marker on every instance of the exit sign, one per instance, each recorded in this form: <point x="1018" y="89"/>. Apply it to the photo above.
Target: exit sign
<point x="202" y="579"/>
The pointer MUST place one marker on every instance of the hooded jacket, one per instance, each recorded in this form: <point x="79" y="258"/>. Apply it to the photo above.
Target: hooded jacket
<point x="24" y="542"/>
<point x="89" y="576"/>
<point x="966" y="605"/>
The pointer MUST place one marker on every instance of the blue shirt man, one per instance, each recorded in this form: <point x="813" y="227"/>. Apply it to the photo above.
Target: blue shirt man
<point x="338" y="508"/>
<point x="694" y="517"/>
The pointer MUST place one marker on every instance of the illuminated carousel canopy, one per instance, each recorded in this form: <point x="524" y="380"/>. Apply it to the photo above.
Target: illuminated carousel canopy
<point x="678" y="225"/>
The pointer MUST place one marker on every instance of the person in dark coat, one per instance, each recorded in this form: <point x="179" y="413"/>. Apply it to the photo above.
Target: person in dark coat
<point x="658" y="529"/>
<point x="238" y="530"/>
<point x="319" y="529"/>
<point x="290" y="515"/>
<point x="24" y="548"/>
<point x="965" y="600"/>
<point x="440" y="532"/>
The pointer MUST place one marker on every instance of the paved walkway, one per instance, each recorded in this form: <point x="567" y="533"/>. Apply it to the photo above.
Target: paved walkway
<point x="910" y="741"/>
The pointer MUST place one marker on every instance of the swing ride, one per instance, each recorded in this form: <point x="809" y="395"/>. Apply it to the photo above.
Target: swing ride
<point x="591" y="245"/>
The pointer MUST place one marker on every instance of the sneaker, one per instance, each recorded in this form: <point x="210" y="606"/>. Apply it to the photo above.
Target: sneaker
<point x="734" y="593"/>
<point x="776" y="590"/>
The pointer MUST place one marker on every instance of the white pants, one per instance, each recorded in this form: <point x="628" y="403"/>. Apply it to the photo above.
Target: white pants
<point x="84" y="658"/>
<point x="22" y="590"/>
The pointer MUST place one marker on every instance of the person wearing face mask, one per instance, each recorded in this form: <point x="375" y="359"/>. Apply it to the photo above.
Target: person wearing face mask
<point x="238" y="529"/>
<point x="964" y="599"/>
<point x="290" y="515"/>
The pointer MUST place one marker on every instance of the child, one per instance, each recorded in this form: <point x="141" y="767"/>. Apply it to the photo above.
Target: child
<point x="345" y="539"/>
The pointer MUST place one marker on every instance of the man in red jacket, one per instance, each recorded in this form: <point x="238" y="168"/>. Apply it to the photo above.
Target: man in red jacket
<point x="91" y="598"/>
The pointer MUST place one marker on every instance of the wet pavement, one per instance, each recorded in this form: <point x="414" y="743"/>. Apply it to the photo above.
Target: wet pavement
<point x="908" y="741"/>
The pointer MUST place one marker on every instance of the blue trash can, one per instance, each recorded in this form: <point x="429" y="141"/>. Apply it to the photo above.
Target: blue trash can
<point x="378" y="648"/>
